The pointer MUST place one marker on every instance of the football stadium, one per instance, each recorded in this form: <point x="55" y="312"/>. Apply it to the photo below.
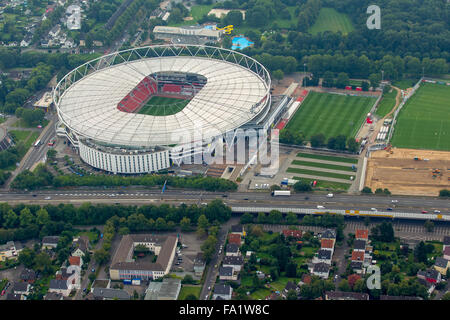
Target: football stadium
<point x="141" y="110"/>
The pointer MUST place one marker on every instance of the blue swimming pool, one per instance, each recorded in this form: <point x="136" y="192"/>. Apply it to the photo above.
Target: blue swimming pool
<point x="240" y="42"/>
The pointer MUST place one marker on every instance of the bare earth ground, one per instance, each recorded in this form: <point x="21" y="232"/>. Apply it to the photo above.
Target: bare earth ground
<point x="401" y="174"/>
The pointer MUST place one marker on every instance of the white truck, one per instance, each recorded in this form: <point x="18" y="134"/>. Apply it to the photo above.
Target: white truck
<point x="330" y="195"/>
<point x="277" y="193"/>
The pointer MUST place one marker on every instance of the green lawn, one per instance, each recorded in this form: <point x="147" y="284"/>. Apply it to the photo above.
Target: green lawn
<point x="26" y="136"/>
<point x="162" y="106"/>
<point x="329" y="158"/>
<point x="319" y="173"/>
<point x="321" y="165"/>
<point x="281" y="282"/>
<point x="187" y="290"/>
<point x="91" y="235"/>
<point x="22" y="124"/>
<point x="331" y="20"/>
<point x="260" y="294"/>
<point x="386" y="103"/>
<point x="330" y="114"/>
<point x="197" y="12"/>
<point x="424" y="122"/>
<point x="327" y="185"/>
<point x="405" y="84"/>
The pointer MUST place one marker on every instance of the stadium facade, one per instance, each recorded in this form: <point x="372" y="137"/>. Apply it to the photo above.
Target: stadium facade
<point x="99" y="105"/>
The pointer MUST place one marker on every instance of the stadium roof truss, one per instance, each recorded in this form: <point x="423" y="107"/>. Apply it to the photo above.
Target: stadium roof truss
<point x="237" y="90"/>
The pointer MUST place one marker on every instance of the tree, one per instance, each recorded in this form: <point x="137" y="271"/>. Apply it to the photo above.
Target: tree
<point x="302" y="186"/>
<point x="342" y="80"/>
<point x="42" y="217"/>
<point x="291" y="218"/>
<point x="92" y="277"/>
<point x="291" y="269"/>
<point x="278" y="74"/>
<point x="365" y="86"/>
<point x="191" y="296"/>
<point x="43" y="263"/>
<point x="188" y="279"/>
<point x="234" y="17"/>
<point x="366" y="190"/>
<point x="317" y="140"/>
<point x="51" y="154"/>
<point x="352" y="145"/>
<point x="185" y="224"/>
<point x="429" y="226"/>
<point x="26" y="257"/>
<point x="247" y="218"/>
<point x="344" y="285"/>
<point x="292" y="295"/>
<point x="383" y="232"/>
<point x="328" y="79"/>
<point x="374" y="80"/>
<point x="101" y="256"/>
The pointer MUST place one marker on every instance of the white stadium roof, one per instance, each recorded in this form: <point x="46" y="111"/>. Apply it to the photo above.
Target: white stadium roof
<point x="89" y="106"/>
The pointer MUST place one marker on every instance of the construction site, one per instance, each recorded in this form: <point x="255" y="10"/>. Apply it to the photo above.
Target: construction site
<point x="409" y="171"/>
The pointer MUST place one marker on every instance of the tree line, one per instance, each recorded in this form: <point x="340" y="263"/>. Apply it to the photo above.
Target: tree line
<point x="41" y="177"/>
<point x="23" y="222"/>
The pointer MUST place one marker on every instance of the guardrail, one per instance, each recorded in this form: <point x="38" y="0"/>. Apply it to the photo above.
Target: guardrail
<point x="349" y="213"/>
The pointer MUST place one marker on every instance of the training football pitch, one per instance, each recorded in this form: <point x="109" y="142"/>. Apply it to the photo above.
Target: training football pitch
<point x="331" y="20"/>
<point x="424" y="121"/>
<point x="163" y="106"/>
<point x="330" y="114"/>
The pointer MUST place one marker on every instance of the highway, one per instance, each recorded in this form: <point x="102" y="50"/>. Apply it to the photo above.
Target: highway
<point x="246" y="199"/>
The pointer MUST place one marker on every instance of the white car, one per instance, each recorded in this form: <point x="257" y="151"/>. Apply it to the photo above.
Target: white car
<point x="48" y="198"/>
<point x="330" y="195"/>
<point x="373" y="209"/>
<point x="437" y="211"/>
<point x="394" y="201"/>
<point x="320" y="207"/>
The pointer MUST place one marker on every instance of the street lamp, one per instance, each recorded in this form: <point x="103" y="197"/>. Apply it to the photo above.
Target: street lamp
<point x="304" y="74"/>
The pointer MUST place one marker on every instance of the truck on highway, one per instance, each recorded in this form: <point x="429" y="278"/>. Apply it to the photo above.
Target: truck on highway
<point x="277" y="193"/>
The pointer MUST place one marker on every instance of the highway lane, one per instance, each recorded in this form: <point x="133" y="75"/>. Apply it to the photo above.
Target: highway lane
<point x="143" y="196"/>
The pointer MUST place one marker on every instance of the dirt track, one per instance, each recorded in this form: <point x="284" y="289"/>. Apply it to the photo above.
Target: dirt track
<point x="401" y="174"/>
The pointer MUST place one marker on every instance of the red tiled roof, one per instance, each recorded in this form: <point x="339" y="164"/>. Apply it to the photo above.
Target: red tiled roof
<point x="362" y="234"/>
<point x="74" y="261"/>
<point x="327" y="243"/>
<point x="234" y="238"/>
<point x="357" y="255"/>
<point x="306" y="279"/>
<point x="292" y="233"/>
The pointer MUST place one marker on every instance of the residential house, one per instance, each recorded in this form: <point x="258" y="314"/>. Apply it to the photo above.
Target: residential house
<point x="260" y="275"/>
<point x="321" y="269"/>
<point x="235" y="238"/>
<point x="60" y="286"/>
<point x="359" y="245"/>
<point x="50" y="242"/>
<point x="64" y="275"/>
<point x="53" y="296"/>
<point x="28" y="275"/>
<point x="10" y="250"/>
<point x="199" y="264"/>
<point x="13" y="296"/>
<point x="324" y="256"/>
<point x="362" y="234"/>
<point x="385" y="297"/>
<point x="306" y="279"/>
<point x="232" y="249"/>
<point x="75" y="261"/>
<point x="327" y="244"/>
<point x="340" y="295"/>
<point x="357" y="267"/>
<point x="297" y="234"/>
<point x="223" y="291"/>
<point x="80" y="246"/>
<point x="358" y="256"/>
<point x="54" y="32"/>
<point x="238" y="229"/>
<point x="431" y="276"/>
<point x="227" y="273"/>
<point x="236" y="262"/>
<point x="290" y="286"/>
<point x="447" y="253"/>
<point x="442" y="265"/>
<point x="110" y="294"/>
<point x="21" y="288"/>
<point x="329" y="234"/>
<point x="446" y="242"/>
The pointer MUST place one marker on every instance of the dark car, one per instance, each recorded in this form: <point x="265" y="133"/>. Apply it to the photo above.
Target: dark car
<point x="389" y="209"/>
